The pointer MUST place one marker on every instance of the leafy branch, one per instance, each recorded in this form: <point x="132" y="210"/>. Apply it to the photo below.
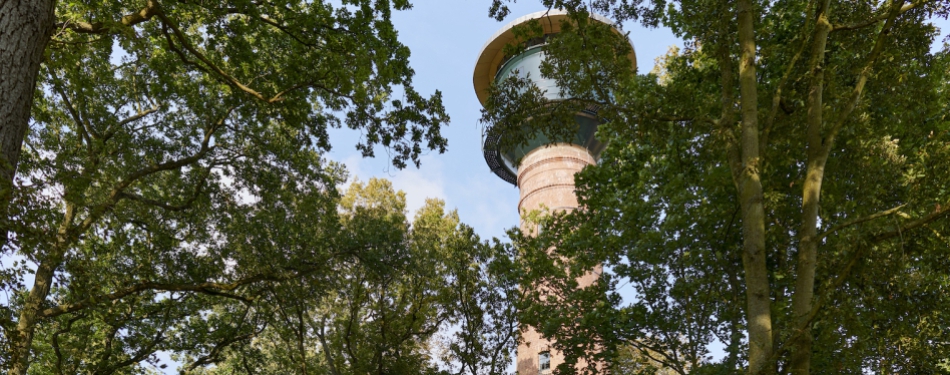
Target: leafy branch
<point x="150" y="10"/>
<point x="209" y="288"/>
<point x="879" y="18"/>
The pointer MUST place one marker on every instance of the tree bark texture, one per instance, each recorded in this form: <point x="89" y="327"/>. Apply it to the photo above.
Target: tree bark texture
<point x="758" y="299"/>
<point x="817" y="156"/>
<point x="25" y="30"/>
<point x="32" y="309"/>
<point x="819" y="149"/>
<point x="29" y="315"/>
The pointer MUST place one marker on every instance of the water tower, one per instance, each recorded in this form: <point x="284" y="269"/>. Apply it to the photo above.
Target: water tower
<point x="543" y="170"/>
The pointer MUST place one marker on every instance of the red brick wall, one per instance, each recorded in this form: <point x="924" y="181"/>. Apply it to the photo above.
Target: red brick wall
<point x="546" y="179"/>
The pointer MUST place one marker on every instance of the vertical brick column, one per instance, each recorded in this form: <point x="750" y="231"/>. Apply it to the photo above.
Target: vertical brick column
<point x="546" y="179"/>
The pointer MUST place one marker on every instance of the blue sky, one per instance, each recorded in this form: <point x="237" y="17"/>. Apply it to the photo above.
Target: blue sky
<point x="445" y="38"/>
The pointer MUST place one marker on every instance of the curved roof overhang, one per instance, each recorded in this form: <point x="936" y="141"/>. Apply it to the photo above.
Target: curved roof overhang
<point x="492" y="52"/>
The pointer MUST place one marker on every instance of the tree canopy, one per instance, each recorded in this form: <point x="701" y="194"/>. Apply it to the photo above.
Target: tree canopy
<point x="380" y="308"/>
<point x="778" y="186"/>
<point x="171" y="193"/>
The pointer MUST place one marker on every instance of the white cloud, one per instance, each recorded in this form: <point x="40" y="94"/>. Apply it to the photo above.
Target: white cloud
<point x="353" y="163"/>
<point x="418" y="183"/>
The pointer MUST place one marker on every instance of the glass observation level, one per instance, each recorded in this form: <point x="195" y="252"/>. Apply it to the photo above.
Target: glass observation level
<point x="494" y="66"/>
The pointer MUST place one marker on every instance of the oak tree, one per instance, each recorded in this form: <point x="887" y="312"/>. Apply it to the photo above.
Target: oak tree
<point x="158" y="156"/>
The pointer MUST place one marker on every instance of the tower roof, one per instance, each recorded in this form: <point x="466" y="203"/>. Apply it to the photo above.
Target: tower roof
<point x="492" y="52"/>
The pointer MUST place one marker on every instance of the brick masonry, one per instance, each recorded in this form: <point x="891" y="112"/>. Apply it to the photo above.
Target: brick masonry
<point x="546" y="179"/>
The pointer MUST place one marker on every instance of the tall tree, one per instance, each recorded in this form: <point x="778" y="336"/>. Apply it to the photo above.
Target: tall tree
<point x="155" y="126"/>
<point x="381" y="308"/>
<point x="26" y="27"/>
<point x="359" y="30"/>
<point x="806" y="141"/>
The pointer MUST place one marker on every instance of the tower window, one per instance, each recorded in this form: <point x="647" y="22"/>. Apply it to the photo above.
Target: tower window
<point x="544" y="361"/>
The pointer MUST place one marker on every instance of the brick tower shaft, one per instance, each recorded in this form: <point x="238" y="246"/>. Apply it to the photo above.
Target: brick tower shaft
<point x="542" y="167"/>
<point x="546" y="181"/>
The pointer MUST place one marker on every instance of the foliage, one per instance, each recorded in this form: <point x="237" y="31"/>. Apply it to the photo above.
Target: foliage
<point x="845" y="103"/>
<point x="630" y="360"/>
<point x="379" y="309"/>
<point x="171" y="185"/>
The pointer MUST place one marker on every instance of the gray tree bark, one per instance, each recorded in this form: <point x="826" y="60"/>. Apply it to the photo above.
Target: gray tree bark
<point x="758" y="296"/>
<point x="25" y="29"/>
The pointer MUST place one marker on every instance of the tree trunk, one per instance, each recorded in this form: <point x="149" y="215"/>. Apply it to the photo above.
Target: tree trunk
<point x="29" y="316"/>
<point x="25" y="30"/>
<point x="817" y="156"/>
<point x="31" y="311"/>
<point x="758" y="302"/>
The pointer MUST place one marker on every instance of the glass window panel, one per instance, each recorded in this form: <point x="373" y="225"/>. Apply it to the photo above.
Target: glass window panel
<point x="544" y="361"/>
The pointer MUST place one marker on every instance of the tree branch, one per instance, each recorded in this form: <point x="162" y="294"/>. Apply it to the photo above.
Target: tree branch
<point x="879" y="18"/>
<point x="84" y="129"/>
<point x="170" y="207"/>
<point x="119" y="189"/>
<point x="138" y="116"/>
<point x="858" y="90"/>
<point x="940" y="212"/>
<point x="183" y="39"/>
<point x="55" y="342"/>
<point x="326" y="347"/>
<point x="777" y="98"/>
<point x="859" y="221"/>
<point x="210" y="288"/>
<point x="646" y="350"/>
<point x="151" y="9"/>
<point x="213" y="355"/>
<point x="148" y="350"/>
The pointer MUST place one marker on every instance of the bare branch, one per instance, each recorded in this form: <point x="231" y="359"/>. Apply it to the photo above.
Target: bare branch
<point x="859" y="221"/>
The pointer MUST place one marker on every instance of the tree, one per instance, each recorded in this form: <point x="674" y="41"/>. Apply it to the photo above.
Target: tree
<point x="366" y="296"/>
<point x="630" y="360"/>
<point x="724" y="164"/>
<point x="380" y="309"/>
<point x="360" y="32"/>
<point x="486" y="296"/>
<point x="158" y="130"/>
